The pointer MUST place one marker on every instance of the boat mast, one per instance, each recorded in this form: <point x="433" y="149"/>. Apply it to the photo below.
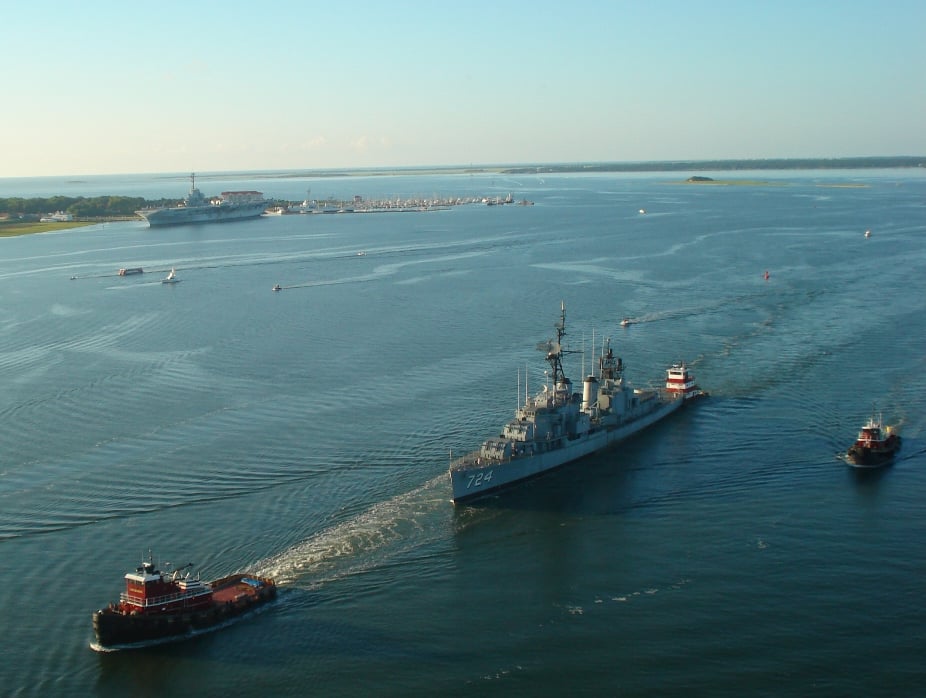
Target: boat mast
<point x="555" y="355"/>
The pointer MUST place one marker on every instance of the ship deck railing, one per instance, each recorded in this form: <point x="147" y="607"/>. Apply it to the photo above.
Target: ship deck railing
<point x="161" y="600"/>
<point x="475" y="459"/>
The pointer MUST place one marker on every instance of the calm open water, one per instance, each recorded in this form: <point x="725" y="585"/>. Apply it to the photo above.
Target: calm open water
<point x="306" y="434"/>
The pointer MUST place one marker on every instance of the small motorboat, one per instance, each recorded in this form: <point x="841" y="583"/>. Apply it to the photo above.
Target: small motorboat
<point x="626" y="322"/>
<point x="875" y="445"/>
<point x="867" y="233"/>
<point x="171" y="278"/>
<point x="277" y="287"/>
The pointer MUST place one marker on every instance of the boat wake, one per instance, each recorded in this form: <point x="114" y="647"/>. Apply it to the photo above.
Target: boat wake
<point x="363" y="542"/>
<point x="387" y="270"/>
<point x="691" y="311"/>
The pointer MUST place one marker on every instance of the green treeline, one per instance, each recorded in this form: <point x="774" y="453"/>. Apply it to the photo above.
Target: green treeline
<point x="80" y="206"/>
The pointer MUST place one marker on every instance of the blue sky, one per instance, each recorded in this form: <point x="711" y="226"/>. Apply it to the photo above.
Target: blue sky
<point x="106" y="87"/>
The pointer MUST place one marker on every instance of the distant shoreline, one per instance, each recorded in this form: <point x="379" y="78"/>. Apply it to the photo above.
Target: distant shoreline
<point x="12" y="228"/>
<point x="15" y="229"/>
<point x="858" y="163"/>
<point x="847" y="163"/>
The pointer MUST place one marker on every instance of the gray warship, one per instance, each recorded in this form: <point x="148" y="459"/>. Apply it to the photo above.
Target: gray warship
<point x="196" y="208"/>
<point x="557" y="426"/>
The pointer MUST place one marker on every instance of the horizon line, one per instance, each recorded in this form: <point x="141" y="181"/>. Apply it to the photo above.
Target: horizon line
<point x="769" y="163"/>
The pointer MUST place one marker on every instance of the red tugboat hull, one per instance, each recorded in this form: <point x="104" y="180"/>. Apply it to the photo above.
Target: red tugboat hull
<point x="122" y="626"/>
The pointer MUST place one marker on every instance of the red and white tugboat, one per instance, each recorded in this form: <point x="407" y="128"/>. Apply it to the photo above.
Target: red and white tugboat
<point x="162" y="606"/>
<point x="679" y="381"/>
<point x="875" y="445"/>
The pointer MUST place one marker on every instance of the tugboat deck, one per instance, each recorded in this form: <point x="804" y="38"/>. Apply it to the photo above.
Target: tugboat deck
<point x="235" y="588"/>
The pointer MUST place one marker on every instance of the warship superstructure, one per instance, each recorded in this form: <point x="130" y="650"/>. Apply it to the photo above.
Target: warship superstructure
<point x="557" y="426"/>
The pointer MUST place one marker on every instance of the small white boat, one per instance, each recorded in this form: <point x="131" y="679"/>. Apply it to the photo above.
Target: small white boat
<point x="277" y="287"/>
<point x="171" y="278"/>
<point x="867" y="233"/>
<point x="626" y="322"/>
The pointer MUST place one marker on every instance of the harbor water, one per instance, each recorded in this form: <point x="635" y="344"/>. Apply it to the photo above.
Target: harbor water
<point x="305" y="435"/>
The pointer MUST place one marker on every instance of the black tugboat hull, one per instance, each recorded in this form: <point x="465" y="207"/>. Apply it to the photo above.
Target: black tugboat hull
<point x="869" y="458"/>
<point x="117" y="630"/>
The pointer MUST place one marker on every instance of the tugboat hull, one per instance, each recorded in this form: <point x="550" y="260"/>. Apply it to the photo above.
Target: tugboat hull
<point x="861" y="457"/>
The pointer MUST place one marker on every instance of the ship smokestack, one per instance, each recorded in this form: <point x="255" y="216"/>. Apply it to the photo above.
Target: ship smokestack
<point x="589" y="392"/>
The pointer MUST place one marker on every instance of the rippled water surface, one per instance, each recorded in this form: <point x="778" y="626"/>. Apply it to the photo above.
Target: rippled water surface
<point x="306" y="434"/>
